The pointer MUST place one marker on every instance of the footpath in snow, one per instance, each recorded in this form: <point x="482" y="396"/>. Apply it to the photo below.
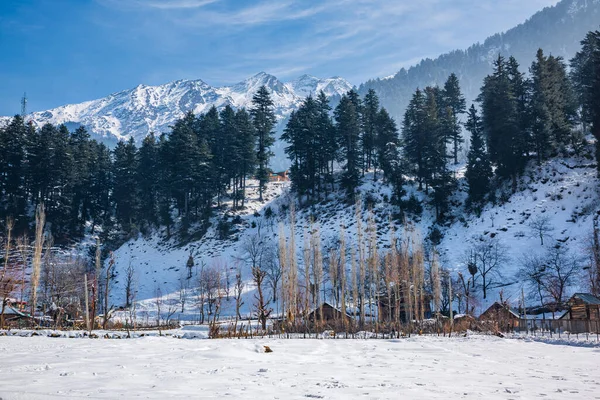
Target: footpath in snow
<point x="477" y="367"/>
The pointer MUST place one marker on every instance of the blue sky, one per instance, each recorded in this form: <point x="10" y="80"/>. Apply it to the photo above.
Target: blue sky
<point x="68" y="51"/>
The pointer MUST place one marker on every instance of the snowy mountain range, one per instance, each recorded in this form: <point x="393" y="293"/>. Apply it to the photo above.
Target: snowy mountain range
<point x="558" y="30"/>
<point x="138" y="111"/>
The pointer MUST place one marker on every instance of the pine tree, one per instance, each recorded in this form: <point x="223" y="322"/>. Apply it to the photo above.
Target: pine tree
<point x="347" y="119"/>
<point x="148" y="181"/>
<point x="223" y="151"/>
<point x="264" y="120"/>
<point x="246" y="150"/>
<point x="388" y="153"/>
<point x="503" y="117"/>
<point x="415" y="136"/>
<point x="585" y="74"/>
<point x="101" y="186"/>
<point x="164" y="184"/>
<point x="125" y="191"/>
<point x="370" y="112"/>
<point x="479" y="169"/>
<point x="12" y="165"/>
<point x="454" y="105"/>
<point x="60" y="198"/>
<point x="326" y="141"/>
<point x="82" y="158"/>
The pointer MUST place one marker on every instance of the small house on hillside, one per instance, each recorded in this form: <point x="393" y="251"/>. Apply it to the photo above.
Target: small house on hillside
<point x="501" y="312"/>
<point x="330" y="313"/>
<point x="279" y="176"/>
<point x="584" y="307"/>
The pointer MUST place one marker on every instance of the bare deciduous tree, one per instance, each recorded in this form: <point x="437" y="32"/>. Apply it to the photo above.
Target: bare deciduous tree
<point x="488" y="256"/>
<point x="541" y="227"/>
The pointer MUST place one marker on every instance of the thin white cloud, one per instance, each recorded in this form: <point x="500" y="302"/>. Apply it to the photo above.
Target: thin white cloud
<point x="176" y="4"/>
<point x="157" y="4"/>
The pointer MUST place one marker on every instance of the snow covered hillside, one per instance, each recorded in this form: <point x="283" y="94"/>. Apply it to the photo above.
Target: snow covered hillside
<point x="565" y="190"/>
<point x="421" y="367"/>
<point x="138" y="111"/>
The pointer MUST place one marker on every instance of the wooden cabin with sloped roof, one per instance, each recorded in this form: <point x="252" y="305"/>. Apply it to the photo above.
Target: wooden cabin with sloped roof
<point x="583" y="307"/>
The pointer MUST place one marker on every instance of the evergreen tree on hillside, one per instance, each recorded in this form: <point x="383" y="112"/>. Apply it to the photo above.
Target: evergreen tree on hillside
<point x="58" y="203"/>
<point x="245" y="153"/>
<point x="521" y="89"/>
<point x="347" y="125"/>
<point x="551" y="105"/>
<point x="370" y="110"/>
<point x="148" y="181"/>
<point x="40" y="147"/>
<point x="415" y="136"/>
<point x="437" y="174"/>
<point x="479" y="168"/>
<point x="101" y="185"/>
<point x="165" y="184"/>
<point x="224" y="151"/>
<point x="12" y="165"/>
<point x="184" y="161"/>
<point x="327" y="146"/>
<point x="81" y="149"/>
<point x="585" y="74"/>
<point x="454" y="105"/>
<point x="502" y="120"/>
<point x="125" y="192"/>
<point x="388" y="153"/>
<point x="264" y="120"/>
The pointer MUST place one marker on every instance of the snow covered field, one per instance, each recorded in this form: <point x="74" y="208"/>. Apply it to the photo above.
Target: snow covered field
<point x="477" y="367"/>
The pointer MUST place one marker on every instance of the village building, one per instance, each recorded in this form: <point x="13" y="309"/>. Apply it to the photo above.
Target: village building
<point x="583" y="307"/>
<point x="502" y="313"/>
<point x="329" y="313"/>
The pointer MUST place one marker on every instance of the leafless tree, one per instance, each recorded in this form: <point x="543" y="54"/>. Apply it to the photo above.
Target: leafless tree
<point x="561" y="269"/>
<point x="274" y="272"/>
<point x="209" y="285"/>
<point x="8" y="275"/>
<point x="256" y="254"/>
<point x="464" y="292"/>
<point x="107" y="284"/>
<point x="532" y="273"/>
<point x="25" y="253"/>
<point x="436" y="283"/>
<point x="263" y="311"/>
<point x="489" y="254"/>
<point x="238" y="290"/>
<point x="184" y="287"/>
<point x="541" y="227"/>
<point x="129" y="283"/>
<point x="40" y="220"/>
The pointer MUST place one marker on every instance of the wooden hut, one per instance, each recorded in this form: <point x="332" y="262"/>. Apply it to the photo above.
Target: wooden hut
<point x="330" y="313"/>
<point x="583" y="307"/>
<point x="502" y="313"/>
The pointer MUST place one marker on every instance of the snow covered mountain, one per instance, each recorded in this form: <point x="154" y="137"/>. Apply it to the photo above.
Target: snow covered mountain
<point x="136" y="112"/>
<point x="557" y="30"/>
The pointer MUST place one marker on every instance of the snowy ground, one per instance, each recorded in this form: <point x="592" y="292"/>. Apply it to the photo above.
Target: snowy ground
<point x="477" y="367"/>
